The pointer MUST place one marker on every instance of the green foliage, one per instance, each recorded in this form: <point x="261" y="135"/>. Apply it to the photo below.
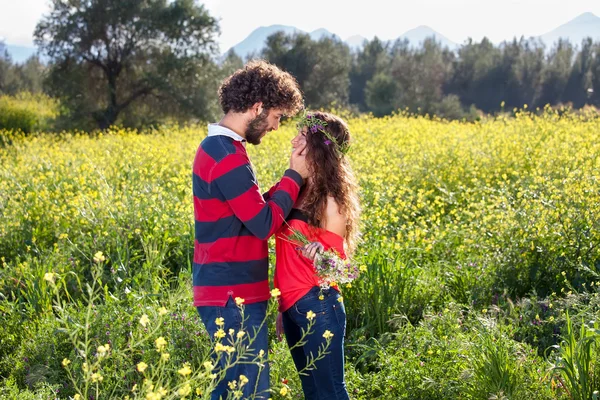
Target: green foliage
<point x="27" y="112"/>
<point x="320" y="67"/>
<point x="477" y="238"/>
<point x="578" y="361"/>
<point x="107" y="55"/>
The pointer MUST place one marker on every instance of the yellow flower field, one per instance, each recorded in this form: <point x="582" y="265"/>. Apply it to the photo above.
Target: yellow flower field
<point x="475" y="214"/>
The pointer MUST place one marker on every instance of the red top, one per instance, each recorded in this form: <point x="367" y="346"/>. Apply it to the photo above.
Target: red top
<point x="294" y="273"/>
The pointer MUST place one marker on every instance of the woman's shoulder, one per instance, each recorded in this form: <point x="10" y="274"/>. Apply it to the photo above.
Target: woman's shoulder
<point x="336" y="221"/>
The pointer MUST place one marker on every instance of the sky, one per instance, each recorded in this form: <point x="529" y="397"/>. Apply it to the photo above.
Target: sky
<point x="387" y="19"/>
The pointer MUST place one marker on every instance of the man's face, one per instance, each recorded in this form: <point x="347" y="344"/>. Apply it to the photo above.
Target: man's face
<point x="266" y="121"/>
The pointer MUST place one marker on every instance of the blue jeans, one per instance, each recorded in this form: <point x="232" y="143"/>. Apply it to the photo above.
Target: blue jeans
<point x="326" y="380"/>
<point x="258" y="376"/>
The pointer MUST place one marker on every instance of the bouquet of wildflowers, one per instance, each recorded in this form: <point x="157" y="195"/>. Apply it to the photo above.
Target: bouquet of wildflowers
<point x="331" y="269"/>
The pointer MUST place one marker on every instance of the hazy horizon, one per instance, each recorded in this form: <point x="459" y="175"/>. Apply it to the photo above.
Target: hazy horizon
<point x="455" y="19"/>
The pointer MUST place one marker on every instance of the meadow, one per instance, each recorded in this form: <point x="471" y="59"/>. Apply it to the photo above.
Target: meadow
<point x="480" y="244"/>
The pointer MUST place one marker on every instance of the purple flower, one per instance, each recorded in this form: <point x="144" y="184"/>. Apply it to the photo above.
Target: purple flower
<point x="327" y="142"/>
<point x="313" y="129"/>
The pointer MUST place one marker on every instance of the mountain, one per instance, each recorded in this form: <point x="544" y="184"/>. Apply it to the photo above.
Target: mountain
<point x="256" y="40"/>
<point x="356" y="42"/>
<point x="20" y="54"/>
<point x="417" y="35"/>
<point x="576" y="30"/>
<point x="321" y="33"/>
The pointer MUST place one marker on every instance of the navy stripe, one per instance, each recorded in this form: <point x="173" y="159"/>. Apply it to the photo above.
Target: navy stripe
<point x="295" y="176"/>
<point x="262" y="223"/>
<point x="226" y="227"/>
<point x="218" y="147"/>
<point x="231" y="273"/>
<point x="283" y="200"/>
<point x="298" y="214"/>
<point x="204" y="191"/>
<point x="236" y="182"/>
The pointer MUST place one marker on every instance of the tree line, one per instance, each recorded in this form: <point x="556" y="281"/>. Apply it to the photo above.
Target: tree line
<point x="138" y="63"/>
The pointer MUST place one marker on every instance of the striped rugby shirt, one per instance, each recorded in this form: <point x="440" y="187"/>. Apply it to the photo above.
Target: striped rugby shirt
<point x="233" y="220"/>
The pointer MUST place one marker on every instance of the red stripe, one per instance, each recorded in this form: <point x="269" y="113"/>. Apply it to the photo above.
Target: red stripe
<point x="218" y="295"/>
<point x="290" y="186"/>
<point x="235" y="249"/>
<point x="210" y="210"/>
<point x="229" y="163"/>
<point x="248" y="204"/>
<point x="203" y="163"/>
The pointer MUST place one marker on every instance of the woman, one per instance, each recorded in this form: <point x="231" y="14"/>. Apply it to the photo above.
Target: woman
<point x="326" y="213"/>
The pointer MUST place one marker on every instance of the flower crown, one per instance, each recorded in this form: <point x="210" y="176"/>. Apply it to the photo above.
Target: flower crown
<point x="314" y="125"/>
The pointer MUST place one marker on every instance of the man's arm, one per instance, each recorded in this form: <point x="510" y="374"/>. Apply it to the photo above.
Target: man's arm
<point x="267" y="195"/>
<point x="237" y="183"/>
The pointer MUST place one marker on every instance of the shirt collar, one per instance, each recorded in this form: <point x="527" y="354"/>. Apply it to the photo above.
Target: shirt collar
<point x="216" y="130"/>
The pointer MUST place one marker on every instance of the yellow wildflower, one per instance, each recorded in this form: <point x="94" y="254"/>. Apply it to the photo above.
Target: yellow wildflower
<point x="327" y="334"/>
<point x="49" y="277"/>
<point x="186" y="370"/>
<point x="220" y="334"/>
<point x="184" y="391"/>
<point x="142" y="366"/>
<point x="160" y="343"/>
<point x="144" y="320"/>
<point x="99" y="257"/>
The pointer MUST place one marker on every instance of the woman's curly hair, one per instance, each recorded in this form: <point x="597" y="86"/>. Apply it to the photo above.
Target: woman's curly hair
<point x="331" y="176"/>
<point x="257" y="82"/>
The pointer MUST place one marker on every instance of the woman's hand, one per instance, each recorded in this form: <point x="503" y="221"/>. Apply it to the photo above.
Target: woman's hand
<point x="279" y="326"/>
<point x="312" y="249"/>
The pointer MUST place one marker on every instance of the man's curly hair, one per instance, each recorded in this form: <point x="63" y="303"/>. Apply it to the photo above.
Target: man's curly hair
<point x="257" y="82"/>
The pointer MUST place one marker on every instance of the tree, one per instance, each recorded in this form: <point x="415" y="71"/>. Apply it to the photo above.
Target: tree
<point x="581" y="77"/>
<point x="7" y="74"/>
<point x="321" y="67"/>
<point x="476" y="75"/>
<point x="556" y="73"/>
<point x="107" y="55"/>
<point x="381" y="94"/>
<point x="367" y="62"/>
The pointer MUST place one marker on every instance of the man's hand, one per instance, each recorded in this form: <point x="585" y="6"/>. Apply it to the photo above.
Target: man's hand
<point x="279" y="326"/>
<point x="311" y="250"/>
<point x="298" y="161"/>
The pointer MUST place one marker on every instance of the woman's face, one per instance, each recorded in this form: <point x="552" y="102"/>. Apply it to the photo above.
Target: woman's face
<point x="300" y="139"/>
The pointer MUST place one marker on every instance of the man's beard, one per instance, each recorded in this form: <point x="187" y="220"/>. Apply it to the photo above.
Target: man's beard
<point x="256" y="128"/>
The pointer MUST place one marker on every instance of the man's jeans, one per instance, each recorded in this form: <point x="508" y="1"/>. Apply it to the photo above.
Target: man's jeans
<point x="254" y="315"/>
<point x="326" y="380"/>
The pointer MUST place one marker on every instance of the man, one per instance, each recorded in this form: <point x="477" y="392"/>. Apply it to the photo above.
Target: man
<point x="233" y="220"/>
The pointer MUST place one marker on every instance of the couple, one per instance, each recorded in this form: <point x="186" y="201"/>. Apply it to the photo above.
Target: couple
<point x="316" y="196"/>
